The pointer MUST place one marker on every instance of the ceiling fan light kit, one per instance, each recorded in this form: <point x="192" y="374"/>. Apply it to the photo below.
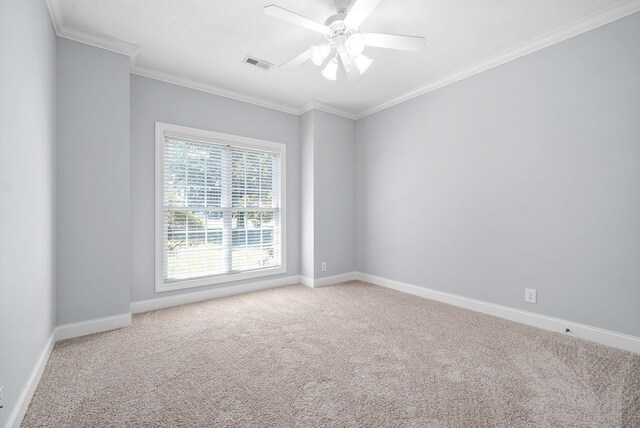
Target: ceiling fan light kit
<point x="362" y="62"/>
<point x="355" y="44"/>
<point x="344" y="40"/>
<point x="330" y="72"/>
<point x="319" y="53"/>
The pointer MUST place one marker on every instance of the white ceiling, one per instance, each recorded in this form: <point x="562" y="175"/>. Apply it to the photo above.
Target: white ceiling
<point x="204" y="42"/>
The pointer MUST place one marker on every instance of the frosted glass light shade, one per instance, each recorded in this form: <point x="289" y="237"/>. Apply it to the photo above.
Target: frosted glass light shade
<point x="319" y="53"/>
<point x="362" y="62"/>
<point x="330" y="72"/>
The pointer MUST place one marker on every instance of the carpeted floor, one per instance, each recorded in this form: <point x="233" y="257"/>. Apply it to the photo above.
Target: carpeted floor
<point x="348" y="355"/>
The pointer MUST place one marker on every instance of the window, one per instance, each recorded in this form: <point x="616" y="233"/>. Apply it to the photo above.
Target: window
<point x="219" y="207"/>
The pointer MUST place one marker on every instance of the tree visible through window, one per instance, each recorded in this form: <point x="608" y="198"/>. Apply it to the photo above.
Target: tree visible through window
<point x="221" y="209"/>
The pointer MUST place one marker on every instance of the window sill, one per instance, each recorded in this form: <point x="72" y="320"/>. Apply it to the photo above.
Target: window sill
<point x="161" y="286"/>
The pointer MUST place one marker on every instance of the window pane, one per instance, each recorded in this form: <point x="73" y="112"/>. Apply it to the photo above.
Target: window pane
<point x="193" y="174"/>
<point x="253" y="179"/>
<point x="221" y="209"/>
<point x="253" y="240"/>
<point x="193" y="244"/>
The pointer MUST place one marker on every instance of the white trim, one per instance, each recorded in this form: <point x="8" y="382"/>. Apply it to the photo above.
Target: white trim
<point x="131" y="50"/>
<point x="328" y="280"/>
<point x="211" y="89"/>
<point x="576" y="28"/>
<point x="20" y="409"/>
<point x="317" y="105"/>
<point x="207" y="135"/>
<point x="335" y="279"/>
<point x="56" y="15"/>
<point x="160" y="130"/>
<point x="199" y="296"/>
<point x="594" y="334"/>
<point x="605" y="337"/>
<point x="306" y="281"/>
<point x="217" y="279"/>
<point x="98" y="325"/>
<point x="100" y="41"/>
<point x="67" y="331"/>
<point x="90" y="38"/>
<point x="119" y="46"/>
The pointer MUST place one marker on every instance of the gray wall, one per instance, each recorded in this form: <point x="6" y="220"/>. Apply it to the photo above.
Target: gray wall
<point x="27" y="191"/>
<point x="307" y="263"/>
<point x="93" y="238"/>
<point x="153" y="100"/>
<point x="333" y="191"/>
<point x="328" y="186"/>
<point x="526" y="175"/>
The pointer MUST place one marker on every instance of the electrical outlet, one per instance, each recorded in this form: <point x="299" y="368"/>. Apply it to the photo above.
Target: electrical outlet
<point x="1" y="397"/>
<point x="324" y="266"/>
<point x="530" y="295"/>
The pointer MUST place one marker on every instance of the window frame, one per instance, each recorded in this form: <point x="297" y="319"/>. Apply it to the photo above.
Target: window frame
<point x="217" y="138"/>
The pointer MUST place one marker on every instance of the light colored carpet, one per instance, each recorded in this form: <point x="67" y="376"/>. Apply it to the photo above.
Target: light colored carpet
<point x="348" y="355"/>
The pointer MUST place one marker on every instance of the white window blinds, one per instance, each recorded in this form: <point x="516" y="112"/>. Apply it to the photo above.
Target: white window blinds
<point x="221" y="209"/>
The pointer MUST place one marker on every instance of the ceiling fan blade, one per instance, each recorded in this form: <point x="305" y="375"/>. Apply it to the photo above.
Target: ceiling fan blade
<point x="294" y="18"/>
<point x="359" y="12"/>
<point x="393" y="41"/>
<point x="294" y="62"/>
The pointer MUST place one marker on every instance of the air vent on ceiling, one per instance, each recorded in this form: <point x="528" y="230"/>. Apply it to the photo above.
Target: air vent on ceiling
<point x="257" y="62"/>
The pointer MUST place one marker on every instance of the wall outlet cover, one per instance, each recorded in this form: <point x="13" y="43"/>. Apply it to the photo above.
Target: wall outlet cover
<point x="530" y="295"/>
<point x="324" y="266"/>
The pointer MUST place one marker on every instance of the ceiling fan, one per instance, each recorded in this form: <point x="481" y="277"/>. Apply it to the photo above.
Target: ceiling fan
<point x="344" y="40"/>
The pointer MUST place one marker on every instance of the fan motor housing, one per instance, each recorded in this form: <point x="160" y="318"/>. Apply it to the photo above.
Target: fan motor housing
<point x="334" y="19"/>
<point x="339" y="32"/>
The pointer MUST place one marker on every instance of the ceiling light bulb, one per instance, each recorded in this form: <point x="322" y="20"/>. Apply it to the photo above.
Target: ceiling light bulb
<point x="362" y="62"/>
<point x="330" y="72"/>
<point x="319" y="53"/>
<point x="355" y="44"/>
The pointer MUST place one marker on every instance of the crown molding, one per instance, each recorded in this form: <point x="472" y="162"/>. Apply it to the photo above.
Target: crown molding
<point x="198" y="86"/>
<point x="131" y="50"/>
<point x="88" y="37"/>
<point x="101" y="41"/>
<point x="56" y="15"/>
<point x="581" y="26"/>
<point x="317" y="105"/>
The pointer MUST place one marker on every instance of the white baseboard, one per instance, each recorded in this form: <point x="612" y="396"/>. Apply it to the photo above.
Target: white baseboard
<point x="328" y="280"/>
<point x="594" y="334"/>
<point x="199" y="296"/>
<point x="61" y="332"/>
<point x="305" y="280"/>
<point x="20" y="409"/>
<point x="69" y="331"/>
<point x="98" y="325"/>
